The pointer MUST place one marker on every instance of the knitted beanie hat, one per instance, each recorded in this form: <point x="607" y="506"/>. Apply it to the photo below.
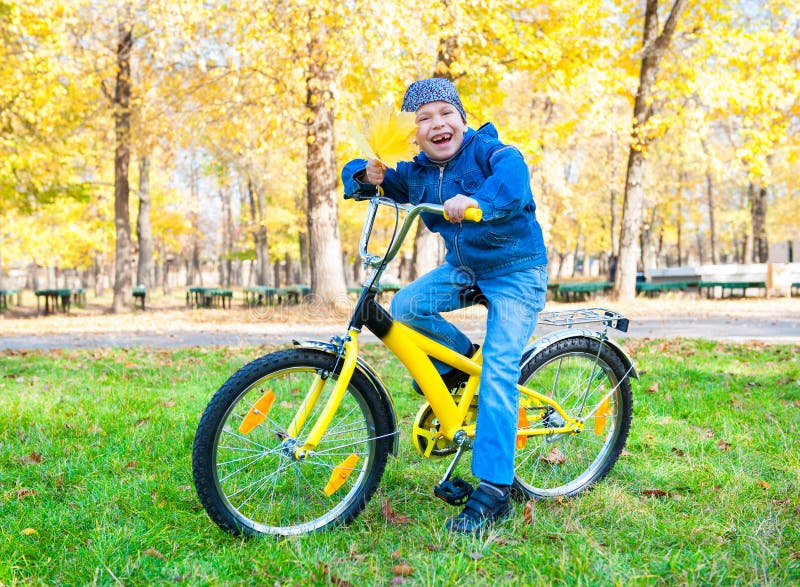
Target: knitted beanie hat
<point x="435" y="89"/>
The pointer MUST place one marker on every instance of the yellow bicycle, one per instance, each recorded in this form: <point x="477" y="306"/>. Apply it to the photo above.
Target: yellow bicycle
<point x="298" y="439"/>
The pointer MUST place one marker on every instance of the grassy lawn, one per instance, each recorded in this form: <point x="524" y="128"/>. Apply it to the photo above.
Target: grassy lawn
<point x="95" y="483"/>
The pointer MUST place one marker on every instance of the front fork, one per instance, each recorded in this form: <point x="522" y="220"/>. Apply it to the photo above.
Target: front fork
<point x="350" y="353"/>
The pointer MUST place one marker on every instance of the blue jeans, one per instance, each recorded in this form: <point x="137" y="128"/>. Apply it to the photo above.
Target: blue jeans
<point x="515" y="301"/>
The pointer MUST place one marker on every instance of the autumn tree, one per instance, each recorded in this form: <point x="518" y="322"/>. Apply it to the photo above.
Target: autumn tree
<point x="654" y="45"/>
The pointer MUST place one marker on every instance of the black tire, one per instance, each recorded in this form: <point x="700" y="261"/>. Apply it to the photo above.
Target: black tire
<point x="250" y="483"/>
<point x="578" y="374"/>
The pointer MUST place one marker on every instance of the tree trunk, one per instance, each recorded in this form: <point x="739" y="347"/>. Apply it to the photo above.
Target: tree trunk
<point x="227" y="237"/>
<point x="302" y="238"/>
<point x="613" y="194"/>
<point x="325" y="249"/>
<point x="426" y="255"/>
<point x="144" y="231"/>
<point x="711" y="205"/>
<point x="758" y="219"/>
<point x="257" y="205"/>
<point x="653" y="49"/>
<point x="194" y="273"/>
<point x="122" y="155"/>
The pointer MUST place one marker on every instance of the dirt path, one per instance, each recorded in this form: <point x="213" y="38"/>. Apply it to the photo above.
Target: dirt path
<point x="768" y="320"/>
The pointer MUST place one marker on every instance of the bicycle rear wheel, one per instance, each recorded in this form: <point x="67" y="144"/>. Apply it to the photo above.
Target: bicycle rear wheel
<point x="581" y="375"/>
<point x="247" y="476"/>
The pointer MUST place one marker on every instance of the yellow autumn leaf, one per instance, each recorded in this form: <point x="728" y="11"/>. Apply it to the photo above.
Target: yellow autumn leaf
<point x="388" y="137"/>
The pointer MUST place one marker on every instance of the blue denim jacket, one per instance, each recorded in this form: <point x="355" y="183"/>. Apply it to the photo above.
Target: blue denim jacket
<point x="508" y="238"/>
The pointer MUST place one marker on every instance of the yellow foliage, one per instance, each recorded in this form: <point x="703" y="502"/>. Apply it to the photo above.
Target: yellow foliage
<point x="388" y="136"/>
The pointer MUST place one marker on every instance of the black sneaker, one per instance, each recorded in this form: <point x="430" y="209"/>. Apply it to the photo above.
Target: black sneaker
<point x="454" y="378"/>
<point x="485" y="506"/>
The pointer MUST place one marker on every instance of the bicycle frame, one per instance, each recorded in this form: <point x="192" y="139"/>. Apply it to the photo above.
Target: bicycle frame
<point x="413" y="349"/>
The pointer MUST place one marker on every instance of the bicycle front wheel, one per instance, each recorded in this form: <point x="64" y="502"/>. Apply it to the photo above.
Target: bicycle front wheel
<point x="590" y="382"/>
<point x="245" y="470"/>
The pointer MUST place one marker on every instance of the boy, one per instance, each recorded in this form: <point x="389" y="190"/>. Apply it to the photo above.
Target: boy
<point x="504" y="255"/>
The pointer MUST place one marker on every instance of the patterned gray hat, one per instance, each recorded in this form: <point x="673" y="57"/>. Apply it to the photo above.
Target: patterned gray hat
<point x="433" y="89"/>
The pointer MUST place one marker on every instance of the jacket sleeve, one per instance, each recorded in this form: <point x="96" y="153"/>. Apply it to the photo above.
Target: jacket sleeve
<point x="507" y="189"/>
<point x="394" y="185"/>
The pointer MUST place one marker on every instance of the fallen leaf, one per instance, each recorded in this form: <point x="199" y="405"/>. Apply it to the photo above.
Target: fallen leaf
<point x="402" y="570"/>
<point x="764" y="485"/>
<point x="154" y="552"/>
<point x="654" y="493"/>
<point x="32" y="459"/>
<point x="678" y="452"/>
<point x="653" y="388"/>
<point x="554" y="457"/>
<point x="29" y="532"/>
<point x="529" y="512"/>
<point x="724" y="445"/>
<point x="24" y="492"/>
<point x="339" y="582"/>
<point x="392" y="516"/>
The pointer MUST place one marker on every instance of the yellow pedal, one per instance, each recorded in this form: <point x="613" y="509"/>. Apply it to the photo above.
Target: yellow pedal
<point x="601" y="416"/>
<point x="340" y="474"/>
<point x="257" y="413"/>
<point x="522" y="422"/>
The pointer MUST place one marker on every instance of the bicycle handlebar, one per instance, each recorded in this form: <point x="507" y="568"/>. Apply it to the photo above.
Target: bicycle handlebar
<point x="471" y="214"/>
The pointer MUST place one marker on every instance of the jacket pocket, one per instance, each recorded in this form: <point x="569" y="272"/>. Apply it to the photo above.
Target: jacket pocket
<point x="469" y="183"/>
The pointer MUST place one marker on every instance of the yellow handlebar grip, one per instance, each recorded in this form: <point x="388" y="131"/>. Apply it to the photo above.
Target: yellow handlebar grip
<point x="471" y="214"/>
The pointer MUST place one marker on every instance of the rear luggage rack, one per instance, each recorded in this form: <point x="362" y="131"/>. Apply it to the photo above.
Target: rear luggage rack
<point x="569" y="318"/>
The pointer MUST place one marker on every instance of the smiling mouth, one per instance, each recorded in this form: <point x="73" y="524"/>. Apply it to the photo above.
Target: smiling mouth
<point x="441" y="139"/>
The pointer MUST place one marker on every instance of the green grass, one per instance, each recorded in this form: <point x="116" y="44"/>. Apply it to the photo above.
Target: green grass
<point x="96" y="487"/>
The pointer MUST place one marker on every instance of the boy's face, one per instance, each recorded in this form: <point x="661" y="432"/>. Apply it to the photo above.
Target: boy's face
<point x="440" y="130"/>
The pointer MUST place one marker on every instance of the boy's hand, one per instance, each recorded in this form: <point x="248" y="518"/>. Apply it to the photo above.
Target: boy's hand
<point x="375" y="172"/>
<point x="455" y="207"/>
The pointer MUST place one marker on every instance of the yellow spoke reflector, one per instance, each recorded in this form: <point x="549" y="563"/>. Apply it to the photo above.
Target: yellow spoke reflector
<point x="600" y="417"/>
<point x="257" y="413"/>
<point x="340" y="474"/>
<point x="522" y="422"/>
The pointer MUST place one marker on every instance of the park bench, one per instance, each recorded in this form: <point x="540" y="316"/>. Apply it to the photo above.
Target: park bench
<point x="139" y="295"/>
<point x="54" y="300"/>
<point x="650" y="289"/>
<point x="256" y="295"/>
<point x="7" y="297"/>
<point x="292" y="294"/>
<point x="579" y="291"/>
<point x="79" y="297"/>
<point x="710" y="287"/>
<point x="383" y="288"/>
<point x="208" y="297"/>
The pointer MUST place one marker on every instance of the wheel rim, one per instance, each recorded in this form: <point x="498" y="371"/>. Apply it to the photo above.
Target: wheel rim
<point x="256" y="475"/>
<point x="564" y="464"/>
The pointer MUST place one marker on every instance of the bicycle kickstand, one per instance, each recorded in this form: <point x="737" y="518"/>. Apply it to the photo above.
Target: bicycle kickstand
<point x="456" y="491"/>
